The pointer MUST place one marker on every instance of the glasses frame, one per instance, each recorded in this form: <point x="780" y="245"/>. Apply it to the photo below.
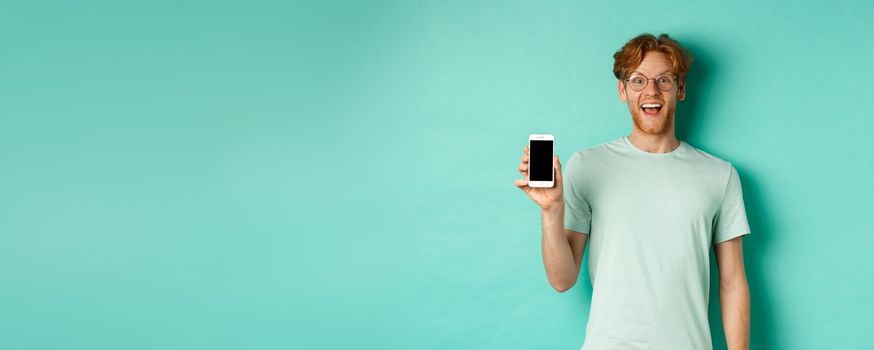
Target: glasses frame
<point x="674" y="83"/>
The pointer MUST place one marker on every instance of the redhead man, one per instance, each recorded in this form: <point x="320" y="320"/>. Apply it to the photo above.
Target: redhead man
<point x="652" y="206"/>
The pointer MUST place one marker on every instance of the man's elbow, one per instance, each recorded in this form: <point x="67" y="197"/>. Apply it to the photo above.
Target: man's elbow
<point x="735" y="284"/>
<point x="562" y="287"/>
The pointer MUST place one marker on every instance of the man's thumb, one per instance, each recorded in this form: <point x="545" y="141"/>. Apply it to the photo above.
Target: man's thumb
<point x="557" y="167"/>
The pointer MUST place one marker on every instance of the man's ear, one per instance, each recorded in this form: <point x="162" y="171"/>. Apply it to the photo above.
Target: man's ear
<point x="681" y="89"/>
<point x="622" y="96"/>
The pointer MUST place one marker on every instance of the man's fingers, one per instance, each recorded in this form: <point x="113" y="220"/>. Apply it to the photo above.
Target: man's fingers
<point x="522" y="184"/>
<point x="524" y="158"/>
<point x="523" y="169"/>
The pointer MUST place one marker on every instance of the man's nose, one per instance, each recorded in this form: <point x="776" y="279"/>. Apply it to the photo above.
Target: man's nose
<point x="652" y="89"/>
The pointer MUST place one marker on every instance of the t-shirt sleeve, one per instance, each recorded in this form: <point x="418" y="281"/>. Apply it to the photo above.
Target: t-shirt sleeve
<point x="577" y="212"/>
<point x="731" y="218"/>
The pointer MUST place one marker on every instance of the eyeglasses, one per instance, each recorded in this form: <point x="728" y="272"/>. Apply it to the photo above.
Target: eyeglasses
<point x="664" y="82"/>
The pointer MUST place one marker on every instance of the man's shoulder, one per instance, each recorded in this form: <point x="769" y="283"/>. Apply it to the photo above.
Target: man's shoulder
<point x="706" y="158"/>
<point x="710" y="166"/>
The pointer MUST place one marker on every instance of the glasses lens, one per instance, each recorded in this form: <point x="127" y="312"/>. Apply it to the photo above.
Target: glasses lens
<point x="637" y="82"/>
<point x="665" y="82"/>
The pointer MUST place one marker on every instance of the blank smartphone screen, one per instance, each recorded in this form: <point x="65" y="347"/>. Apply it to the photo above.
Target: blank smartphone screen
<point x="540" y="161"/>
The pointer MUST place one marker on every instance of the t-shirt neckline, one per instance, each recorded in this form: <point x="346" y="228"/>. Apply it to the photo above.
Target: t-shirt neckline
<point x="650" y="154"/>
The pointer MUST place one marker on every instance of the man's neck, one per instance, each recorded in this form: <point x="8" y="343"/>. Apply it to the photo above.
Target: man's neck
<point x="664" y="143"/>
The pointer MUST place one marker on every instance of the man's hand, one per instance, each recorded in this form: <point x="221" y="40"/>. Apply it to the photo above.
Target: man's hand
<point x="547" y="198"/>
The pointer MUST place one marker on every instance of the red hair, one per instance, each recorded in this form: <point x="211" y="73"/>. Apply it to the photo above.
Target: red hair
<point x="627" y="59"/>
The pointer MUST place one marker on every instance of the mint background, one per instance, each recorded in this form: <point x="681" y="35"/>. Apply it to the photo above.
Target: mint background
<point x="336" y="174"/>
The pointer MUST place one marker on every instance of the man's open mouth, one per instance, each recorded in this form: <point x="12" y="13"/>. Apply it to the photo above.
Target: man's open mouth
<point x="651" y="108"/>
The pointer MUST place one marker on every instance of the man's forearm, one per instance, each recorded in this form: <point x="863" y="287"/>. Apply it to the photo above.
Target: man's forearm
<point x="558" y="258"/>
<point x="735" y="302"/>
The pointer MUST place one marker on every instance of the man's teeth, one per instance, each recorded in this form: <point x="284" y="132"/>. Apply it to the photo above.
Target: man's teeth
<point x="651" y="105"/>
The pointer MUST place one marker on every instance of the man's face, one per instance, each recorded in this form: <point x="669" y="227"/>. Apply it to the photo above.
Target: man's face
<point x="659" y="120"/>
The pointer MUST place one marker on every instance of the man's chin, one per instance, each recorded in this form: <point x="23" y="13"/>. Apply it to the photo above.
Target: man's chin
<point x="653" y="127"/>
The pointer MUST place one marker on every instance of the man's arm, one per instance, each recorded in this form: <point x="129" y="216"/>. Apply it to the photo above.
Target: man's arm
<point x="734" y="294"/>
<point x="562" y="250"/>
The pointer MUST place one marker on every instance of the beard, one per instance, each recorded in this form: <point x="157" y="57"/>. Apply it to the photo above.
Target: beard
<point x="660" y="125"/>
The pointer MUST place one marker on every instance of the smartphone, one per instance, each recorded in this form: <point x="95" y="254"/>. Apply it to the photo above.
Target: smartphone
<point x="541" y="147"/>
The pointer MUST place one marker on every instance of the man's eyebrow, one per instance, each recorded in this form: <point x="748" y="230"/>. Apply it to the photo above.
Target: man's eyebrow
<point x="638" y="72"/>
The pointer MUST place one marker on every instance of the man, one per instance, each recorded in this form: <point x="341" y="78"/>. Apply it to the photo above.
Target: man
<point x="652" y="205"/>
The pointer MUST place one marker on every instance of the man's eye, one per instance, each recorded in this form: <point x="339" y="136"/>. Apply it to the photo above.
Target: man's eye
<point x="637" y="80"/>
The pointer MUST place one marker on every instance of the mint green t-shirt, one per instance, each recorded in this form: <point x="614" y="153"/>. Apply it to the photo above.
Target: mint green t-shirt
<point x="652" y="219"/>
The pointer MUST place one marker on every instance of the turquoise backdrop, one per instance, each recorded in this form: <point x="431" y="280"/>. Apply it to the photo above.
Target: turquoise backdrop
<point x="339" y="174"/>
